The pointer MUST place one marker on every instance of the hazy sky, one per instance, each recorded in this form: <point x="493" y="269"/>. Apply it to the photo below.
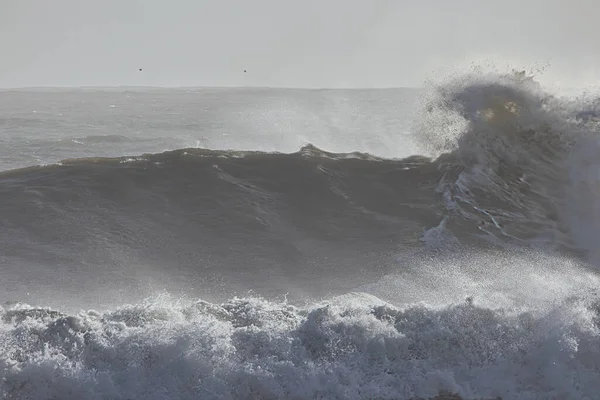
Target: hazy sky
<point x="305" y="43"/>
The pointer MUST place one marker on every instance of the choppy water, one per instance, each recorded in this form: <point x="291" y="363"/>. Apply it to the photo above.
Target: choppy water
<point x="258" y="243"/>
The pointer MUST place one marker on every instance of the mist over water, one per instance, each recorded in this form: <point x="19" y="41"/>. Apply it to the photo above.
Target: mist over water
<point x="48" y="125"/>
<point x="261" y="243"/>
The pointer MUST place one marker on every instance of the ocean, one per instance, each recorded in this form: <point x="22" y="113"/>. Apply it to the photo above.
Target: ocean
<point x="255" y="243"/>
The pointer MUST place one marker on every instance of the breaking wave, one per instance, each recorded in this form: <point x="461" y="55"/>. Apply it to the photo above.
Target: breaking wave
<point x="469" y="270"/>
<point x="351" y="347"/>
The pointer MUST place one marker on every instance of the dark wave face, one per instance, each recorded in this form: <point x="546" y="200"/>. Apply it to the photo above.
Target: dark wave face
<point x="311" y="216"/>
<point x="469" y="270"/>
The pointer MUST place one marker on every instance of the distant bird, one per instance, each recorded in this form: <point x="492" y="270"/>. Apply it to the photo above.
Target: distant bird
<point x="140" y="70"/>
<point x="245" y="71"/>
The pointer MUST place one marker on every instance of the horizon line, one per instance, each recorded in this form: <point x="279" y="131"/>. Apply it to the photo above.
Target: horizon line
<point x="116" y="87"/>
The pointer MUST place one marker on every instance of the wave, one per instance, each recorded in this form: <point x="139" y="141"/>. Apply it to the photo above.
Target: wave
<point x="504" y="156"/>
<point x="195" y="218"/>
<point x="508" y="181"/>
<point x="512" y="153"/>
<point x="351" y="347"/>
<point x="509" y="165"/>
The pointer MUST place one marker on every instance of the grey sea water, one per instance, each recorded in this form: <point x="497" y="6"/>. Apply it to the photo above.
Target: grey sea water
<point x="271" y="243"/>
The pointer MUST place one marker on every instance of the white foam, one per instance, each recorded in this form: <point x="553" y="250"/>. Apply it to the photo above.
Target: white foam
<point x="526" y="165"/>
<point x="353" y="347"/>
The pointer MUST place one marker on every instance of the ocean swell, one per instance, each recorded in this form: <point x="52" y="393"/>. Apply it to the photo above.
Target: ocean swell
<point x="470" y="270"/>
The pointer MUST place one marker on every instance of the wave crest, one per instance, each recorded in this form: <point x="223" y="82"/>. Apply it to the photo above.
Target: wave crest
<point x="508" y="150"/>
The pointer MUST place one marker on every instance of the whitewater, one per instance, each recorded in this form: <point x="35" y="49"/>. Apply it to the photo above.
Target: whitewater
<point x="214" y="243"/>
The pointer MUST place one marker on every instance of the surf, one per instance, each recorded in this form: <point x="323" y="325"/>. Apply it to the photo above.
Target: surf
<point x="468" y="268"/>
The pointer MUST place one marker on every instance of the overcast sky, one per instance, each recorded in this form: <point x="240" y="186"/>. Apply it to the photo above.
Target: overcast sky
<point x="302" y="43"/>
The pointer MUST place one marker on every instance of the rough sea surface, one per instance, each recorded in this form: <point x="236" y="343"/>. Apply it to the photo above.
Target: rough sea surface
<point x="300" y="244"/>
